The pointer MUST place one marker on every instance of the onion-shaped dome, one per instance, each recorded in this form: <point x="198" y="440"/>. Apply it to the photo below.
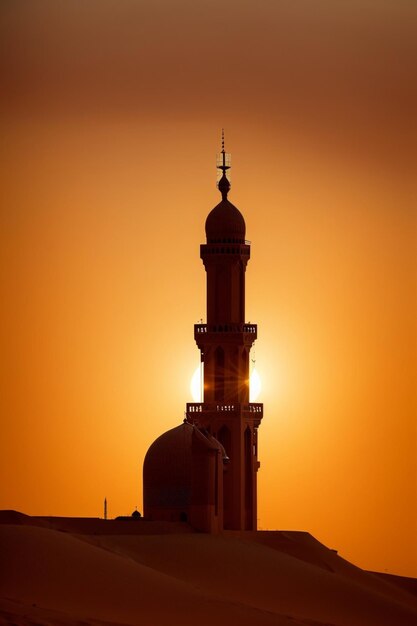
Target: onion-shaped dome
<point x="225" y="224"/>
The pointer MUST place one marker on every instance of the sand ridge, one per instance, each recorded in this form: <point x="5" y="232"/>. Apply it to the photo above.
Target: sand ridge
<point x="49" y="575"/>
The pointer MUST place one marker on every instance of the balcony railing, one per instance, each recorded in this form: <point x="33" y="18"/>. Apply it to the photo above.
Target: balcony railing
<point x="224" y="407"/>
<point x="226" y="246"/>
<point x="225" y="328"/>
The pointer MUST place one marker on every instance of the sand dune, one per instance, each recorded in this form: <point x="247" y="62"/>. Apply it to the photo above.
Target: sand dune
<point x="51" y="576"/>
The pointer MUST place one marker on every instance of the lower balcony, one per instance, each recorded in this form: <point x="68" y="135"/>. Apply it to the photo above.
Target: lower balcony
<point x="254" y="409"/>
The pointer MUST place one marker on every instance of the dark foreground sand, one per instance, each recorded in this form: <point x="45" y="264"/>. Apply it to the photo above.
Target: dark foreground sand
<point x="61" y="571"/>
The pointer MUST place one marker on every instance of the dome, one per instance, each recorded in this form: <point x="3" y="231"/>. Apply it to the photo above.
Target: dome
<point x="179" y="474"/>
<point x="167" y="469"/>
<point x="225" y="224"/>
<point x="176" y="439"/>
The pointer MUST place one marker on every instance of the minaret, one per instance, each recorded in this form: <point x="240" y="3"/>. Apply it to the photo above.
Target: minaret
<point x="224" y="343"/>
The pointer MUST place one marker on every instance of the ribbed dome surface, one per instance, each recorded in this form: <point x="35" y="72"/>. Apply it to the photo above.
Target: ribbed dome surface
<point x="225" y="224"/>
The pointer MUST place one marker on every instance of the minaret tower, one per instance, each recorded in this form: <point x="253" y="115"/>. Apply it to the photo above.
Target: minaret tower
<point x="225" y="342"/>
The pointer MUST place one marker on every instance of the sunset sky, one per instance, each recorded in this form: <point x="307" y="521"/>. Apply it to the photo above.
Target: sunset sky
<point x="111" y="116"/>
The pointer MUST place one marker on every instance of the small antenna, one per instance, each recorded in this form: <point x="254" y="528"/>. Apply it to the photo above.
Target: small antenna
<point x="105" y="508"/>
<point x="223" y="164"/>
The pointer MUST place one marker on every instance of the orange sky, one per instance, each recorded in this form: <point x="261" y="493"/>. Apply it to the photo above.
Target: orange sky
<point x="111" y="116"/>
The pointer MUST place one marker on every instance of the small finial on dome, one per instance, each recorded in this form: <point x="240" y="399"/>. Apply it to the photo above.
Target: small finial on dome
<point x="223" y="164"/>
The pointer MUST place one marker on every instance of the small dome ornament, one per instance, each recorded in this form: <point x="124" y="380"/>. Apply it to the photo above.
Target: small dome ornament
<point x="223" y="164"/>
<point x="225" y="223"/>
<point x="224" y="186"/>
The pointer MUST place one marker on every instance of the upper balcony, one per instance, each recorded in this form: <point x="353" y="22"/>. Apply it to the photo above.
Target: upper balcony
<point x="228" y="247"/>
<point x="200" y="329"/>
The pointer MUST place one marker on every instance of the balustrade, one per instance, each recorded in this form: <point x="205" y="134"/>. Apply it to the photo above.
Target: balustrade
<point x="223" y="407"/>
<point x="225" y="328"/>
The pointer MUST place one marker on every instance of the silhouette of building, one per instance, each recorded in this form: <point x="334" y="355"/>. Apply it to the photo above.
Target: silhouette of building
<point x="205" y="470"/>
<point x="129" y="518"/>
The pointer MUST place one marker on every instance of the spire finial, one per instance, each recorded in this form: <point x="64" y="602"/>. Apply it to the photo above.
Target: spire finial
<point x="223" y="164"/>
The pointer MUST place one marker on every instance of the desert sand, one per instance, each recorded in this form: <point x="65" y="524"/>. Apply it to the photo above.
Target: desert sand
<point x="61" y="571"/>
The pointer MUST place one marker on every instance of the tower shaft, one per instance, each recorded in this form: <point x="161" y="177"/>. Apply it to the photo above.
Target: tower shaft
<point x="225" y="343"/>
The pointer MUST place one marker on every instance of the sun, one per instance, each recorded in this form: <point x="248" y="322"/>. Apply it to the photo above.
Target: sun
<point x="197" y="382"/>
<point x="255" y="385"/>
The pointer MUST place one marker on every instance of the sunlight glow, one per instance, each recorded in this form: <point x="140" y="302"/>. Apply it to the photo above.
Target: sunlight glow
<point x="255" y="386"/>
<point x="195" y="385"/>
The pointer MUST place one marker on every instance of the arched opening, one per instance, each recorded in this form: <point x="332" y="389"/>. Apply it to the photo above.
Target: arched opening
<point x="224" y="436"/>
<point x="219" y="374"/>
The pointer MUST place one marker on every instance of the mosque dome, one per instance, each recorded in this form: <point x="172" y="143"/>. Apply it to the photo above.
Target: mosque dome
<point x="167" y="465"/>
<point x="167" y="469"/>
<point x="225" y="224"/>
<point x="176" y="470"/>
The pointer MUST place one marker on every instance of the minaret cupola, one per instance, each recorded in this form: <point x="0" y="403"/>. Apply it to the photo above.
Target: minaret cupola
<point x="225" y="223"/>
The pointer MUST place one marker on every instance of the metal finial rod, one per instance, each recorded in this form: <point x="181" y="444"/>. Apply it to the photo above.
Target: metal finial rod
<point x="223" y="152"/>
<point x="223" y="164"/>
